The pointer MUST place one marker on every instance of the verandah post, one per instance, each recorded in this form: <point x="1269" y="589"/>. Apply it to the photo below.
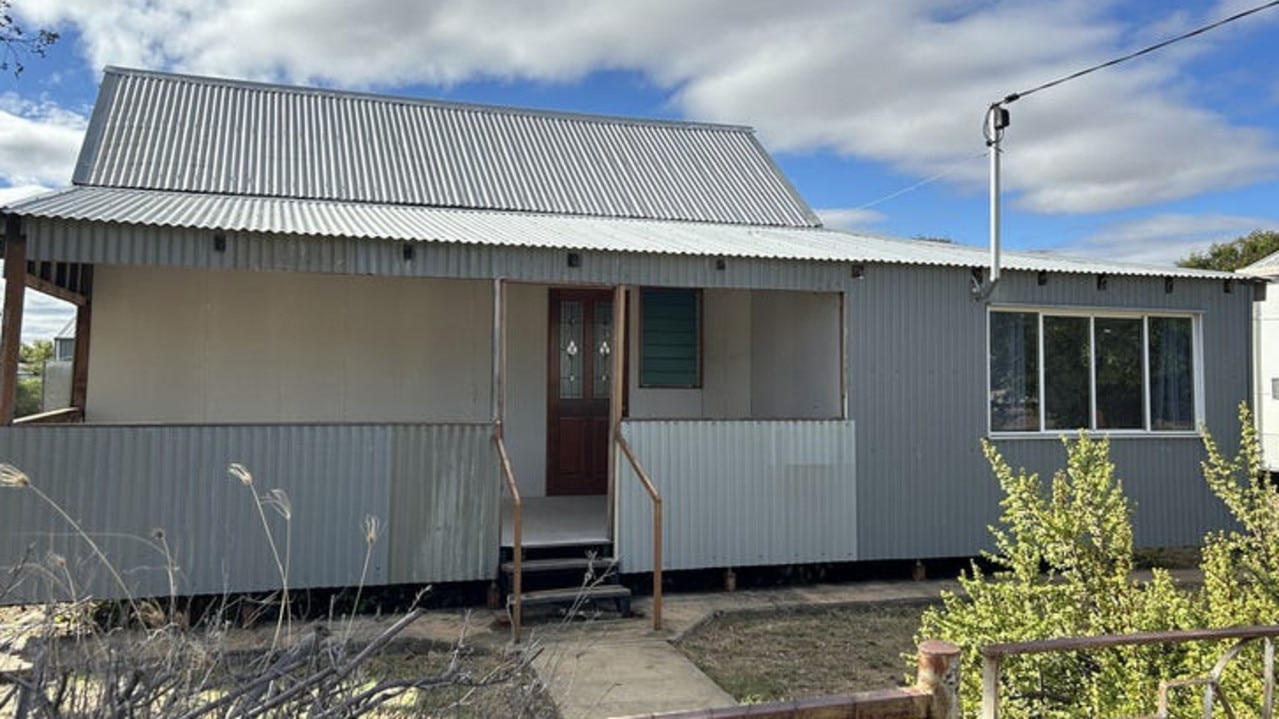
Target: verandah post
<point x="15" y="277"/>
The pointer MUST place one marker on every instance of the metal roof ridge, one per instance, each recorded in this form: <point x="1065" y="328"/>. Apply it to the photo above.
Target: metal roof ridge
<point x="287" y="89"/>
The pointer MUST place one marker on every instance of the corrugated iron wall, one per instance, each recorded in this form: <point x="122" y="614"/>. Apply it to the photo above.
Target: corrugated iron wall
<point x="90" y="243"/>
<point x="445" y="494"/>
<point x="433" y="486"/>
<point x="740" y="493"/>
<point x="917" y="387"/>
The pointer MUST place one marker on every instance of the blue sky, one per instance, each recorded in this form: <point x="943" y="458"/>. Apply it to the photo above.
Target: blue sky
<point x="873" y="109"/>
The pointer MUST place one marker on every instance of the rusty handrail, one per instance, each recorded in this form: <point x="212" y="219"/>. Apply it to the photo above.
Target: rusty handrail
<point x="993" y="654"/>
<point x="657" y="525"/>
<point x="65" y="415"/>
<point x="517" y="533"/>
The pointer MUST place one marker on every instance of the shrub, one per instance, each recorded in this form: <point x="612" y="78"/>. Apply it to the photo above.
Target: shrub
<point x="1241" y="565"/>
<point x="1063" y="567"/>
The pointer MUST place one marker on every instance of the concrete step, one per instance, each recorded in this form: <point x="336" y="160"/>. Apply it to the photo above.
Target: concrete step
<point x="616" y="593"/>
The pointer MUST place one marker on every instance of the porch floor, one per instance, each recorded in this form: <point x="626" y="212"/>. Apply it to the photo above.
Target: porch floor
<point x="557" y="521"/>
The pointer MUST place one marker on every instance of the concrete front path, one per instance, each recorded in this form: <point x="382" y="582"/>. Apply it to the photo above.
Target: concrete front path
<point x="613" y="667"/>
<point x="607" y="672"/>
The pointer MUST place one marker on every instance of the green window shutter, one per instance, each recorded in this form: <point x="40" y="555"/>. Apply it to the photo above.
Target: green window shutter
<point x="670" y="341"/>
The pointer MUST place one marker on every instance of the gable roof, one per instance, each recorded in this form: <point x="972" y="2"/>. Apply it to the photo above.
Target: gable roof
<point x="166" y="132"/>
<point x="201" y="154"/>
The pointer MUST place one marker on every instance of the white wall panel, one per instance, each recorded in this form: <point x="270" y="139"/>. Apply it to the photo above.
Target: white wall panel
<point x="173" y="345"/>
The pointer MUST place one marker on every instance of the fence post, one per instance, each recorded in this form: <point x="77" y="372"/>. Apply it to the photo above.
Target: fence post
<point x="939" y="676"/>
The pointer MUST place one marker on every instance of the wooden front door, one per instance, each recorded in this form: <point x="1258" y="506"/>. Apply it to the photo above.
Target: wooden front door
<point x="580" y="385"/>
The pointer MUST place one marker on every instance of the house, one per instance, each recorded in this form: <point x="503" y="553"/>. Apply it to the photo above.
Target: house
<point x="1265" y="356"/>
<point x="420" y="310"/>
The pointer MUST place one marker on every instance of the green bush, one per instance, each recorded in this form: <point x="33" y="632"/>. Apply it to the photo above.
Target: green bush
<point x="1063" y="567"/>
<point x="1240" y="565"/>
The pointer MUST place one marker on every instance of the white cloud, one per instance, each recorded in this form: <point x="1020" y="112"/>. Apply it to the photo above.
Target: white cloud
<point x="43" y="317"/>
<point x="39" y="142"/>
<point x="20" y="192"/>
<point x="903" y="83"/>
<point x="849" y="219"/>
<point x="1164" y="239"/>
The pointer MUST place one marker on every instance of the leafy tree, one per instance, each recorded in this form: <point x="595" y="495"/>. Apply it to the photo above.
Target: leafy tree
<point x="32" y="356"/>
<point x="1230" y="256"/>
<point x="29" y="397"/>
<point x="17" y="42"/>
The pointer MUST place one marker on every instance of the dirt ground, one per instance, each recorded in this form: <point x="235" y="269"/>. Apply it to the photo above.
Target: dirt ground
<point x="807" y="652"/>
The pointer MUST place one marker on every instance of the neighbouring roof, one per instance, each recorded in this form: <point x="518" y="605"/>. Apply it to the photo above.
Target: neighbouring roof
<point x="230" y="213"/>
<point x="1267" y="266"/>
<point x="160" y="131"/>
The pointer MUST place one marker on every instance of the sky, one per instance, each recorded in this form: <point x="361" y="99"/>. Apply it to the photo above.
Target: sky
<point x="873" y="109"/>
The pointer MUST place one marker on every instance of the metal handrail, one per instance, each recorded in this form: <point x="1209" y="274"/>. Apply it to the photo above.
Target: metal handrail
<point x="657" y="525"/>
<point x="993" y="654"/>
<point x="517" y="534"/>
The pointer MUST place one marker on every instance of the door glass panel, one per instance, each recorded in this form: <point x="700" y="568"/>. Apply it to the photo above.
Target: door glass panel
<point x="602" y="334"/>
<point x="571" y="333"/>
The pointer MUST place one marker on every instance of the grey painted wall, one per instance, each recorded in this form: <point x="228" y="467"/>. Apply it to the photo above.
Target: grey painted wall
<point x="917" y="391"/>
<point x="430" y="485"/>
<point x="740" y="493"/>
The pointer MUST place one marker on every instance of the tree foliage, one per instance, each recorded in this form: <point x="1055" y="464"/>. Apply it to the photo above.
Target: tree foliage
<point x="32" y="356"/>
<point x="18" y="42"/>
<point x="29" y="397"/>
<point x="1230" y="256"/>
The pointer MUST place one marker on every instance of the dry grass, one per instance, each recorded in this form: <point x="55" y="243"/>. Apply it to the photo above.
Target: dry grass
<point x="806" y="652"/>
<point x="190" y="672"/>
<point x="60" y="659"/>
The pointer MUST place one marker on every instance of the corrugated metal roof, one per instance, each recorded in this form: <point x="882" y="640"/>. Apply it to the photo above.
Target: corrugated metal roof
<point x="515" y="229"/>
<point x="174" y="132"/>
<point x="1267" y="266"/>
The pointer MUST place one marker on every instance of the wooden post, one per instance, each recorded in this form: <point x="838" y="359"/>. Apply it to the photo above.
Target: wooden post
<point x="15" y="278"/>
<point x="617" y="367"/>
<point x="939" y="676"/>
<point x="508" y="474"/>
<point x="990" y="687"/>
<point x="83" y="327"/>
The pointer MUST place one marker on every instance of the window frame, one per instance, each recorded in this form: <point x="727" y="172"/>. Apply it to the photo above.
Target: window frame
<point x="1093" y="314"/>
<point x="699" y="330"/>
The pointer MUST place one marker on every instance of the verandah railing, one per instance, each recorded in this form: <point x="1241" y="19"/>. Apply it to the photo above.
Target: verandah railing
<point x="657" y="526"/>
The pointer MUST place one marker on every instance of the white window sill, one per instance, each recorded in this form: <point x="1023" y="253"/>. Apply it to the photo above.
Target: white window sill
<point x="1119" y="434"/>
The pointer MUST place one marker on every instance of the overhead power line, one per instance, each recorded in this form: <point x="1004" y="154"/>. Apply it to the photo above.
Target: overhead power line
<point x="1067" y="78"/>
<point x="926" y="181"/>
<point x="1144" y="51"/>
